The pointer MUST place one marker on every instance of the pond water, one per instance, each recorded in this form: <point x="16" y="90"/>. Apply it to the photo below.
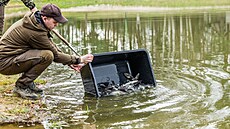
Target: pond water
<point x="190" y="57"/>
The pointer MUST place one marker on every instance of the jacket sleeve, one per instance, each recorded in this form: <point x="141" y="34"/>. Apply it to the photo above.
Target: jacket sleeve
<point x="29" y="3"/>
<point x="44" y="43"/>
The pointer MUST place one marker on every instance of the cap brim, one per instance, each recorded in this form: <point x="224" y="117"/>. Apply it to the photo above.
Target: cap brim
<point x="60" y="19"/>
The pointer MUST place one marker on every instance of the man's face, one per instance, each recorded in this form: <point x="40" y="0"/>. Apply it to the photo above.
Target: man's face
<point x="50" y="22"/>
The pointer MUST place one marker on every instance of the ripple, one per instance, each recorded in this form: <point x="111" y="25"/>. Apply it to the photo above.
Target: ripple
<point x="158" y="106"/>
<point x="218" y="115"/>
<point x="215" y="93"/>
<point x="189" y="97"/>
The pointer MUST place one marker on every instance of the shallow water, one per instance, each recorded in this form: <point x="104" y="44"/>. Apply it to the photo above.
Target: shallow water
<point x="191" y="61"/>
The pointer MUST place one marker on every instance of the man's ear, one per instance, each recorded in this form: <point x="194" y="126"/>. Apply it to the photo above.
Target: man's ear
<point x="44" y="18"/>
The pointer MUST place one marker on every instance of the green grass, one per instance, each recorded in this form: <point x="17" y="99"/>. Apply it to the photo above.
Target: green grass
<point x="7" y="80"/>
<point x="158" y="3"/>
<point x="152" y="3"/>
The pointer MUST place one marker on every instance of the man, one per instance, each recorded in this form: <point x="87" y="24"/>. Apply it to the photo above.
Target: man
<point x="26" y="47"/>
<point x="28" y="3"/>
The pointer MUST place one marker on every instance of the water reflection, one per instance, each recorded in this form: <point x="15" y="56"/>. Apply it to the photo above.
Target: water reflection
<point x="190" y="57"/>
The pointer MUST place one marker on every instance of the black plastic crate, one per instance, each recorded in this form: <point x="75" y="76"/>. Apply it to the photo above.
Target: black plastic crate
<point x="110" y="67"/>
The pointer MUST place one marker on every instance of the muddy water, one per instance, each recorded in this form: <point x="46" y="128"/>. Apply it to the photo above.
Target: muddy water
<point x="190" y="57"/>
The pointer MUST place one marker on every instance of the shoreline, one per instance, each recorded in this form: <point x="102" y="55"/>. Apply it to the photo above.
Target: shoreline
<point x="100" y="8"/>
<point x="112" y="8"/>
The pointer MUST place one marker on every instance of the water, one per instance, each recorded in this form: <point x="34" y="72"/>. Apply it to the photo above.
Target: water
<point x="191" y="61"/>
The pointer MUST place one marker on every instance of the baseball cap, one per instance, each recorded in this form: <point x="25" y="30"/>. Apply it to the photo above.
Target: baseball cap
<point x="51" y="10"/>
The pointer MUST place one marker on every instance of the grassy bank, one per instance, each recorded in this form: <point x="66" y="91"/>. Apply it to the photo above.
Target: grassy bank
<point x="153" y="3"/>
<point x="17" y="5"/>
<point x="14" y="109"/>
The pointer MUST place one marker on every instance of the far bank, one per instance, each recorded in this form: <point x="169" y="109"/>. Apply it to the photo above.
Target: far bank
<point x="129" y="9"/>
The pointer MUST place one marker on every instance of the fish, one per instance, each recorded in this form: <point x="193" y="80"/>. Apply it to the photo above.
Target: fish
<point x="117" y="93"/>
<point x="130" y="77"/>
<point x="111" y="89"/>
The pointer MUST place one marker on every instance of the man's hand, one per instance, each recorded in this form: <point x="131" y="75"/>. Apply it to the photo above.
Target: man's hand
<point x="77" y="67"/>
<point x="84" y="60"/>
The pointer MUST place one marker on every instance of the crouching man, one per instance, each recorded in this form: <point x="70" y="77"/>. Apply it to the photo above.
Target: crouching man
<point x="26" y="47"/>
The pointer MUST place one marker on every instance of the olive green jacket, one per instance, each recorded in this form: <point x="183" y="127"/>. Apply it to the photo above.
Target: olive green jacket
<point x="27" y="34"/>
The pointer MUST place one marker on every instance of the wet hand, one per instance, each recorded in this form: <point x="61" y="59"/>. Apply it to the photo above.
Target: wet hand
<point x="83" y="61"/>
<point x="77" y="67"/>
<point x="86" y="58"/>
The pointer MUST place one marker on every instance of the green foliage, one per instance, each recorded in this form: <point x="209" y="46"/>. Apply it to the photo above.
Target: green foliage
<point x="57" y="124"/>
<point x="17" y="5"/>
<point x="87" y="109"/>
<point x="7" y="80"/>
<point x="40" y="82"/>
<point x="158" y="3"/>
<point x="19" y="110"/>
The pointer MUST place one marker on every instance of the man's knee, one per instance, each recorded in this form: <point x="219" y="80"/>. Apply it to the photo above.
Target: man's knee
<point x="47" y="55"/>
